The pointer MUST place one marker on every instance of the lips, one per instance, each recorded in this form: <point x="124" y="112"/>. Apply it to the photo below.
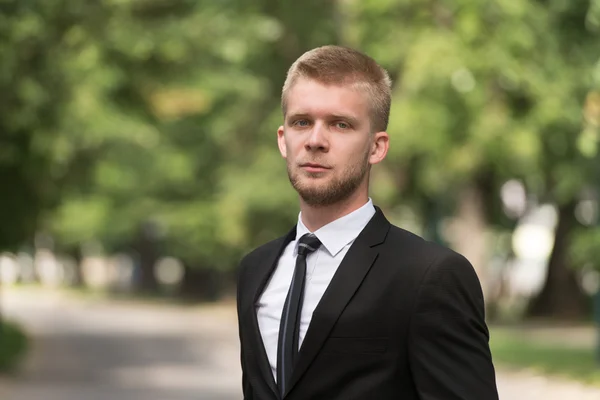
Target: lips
<point x="314" y="167"/>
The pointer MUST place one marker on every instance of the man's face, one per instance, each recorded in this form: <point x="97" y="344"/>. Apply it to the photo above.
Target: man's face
<point x="326" y="141"/>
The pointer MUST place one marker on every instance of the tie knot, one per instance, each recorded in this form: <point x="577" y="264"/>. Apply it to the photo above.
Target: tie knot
<point x="307" y="244"/>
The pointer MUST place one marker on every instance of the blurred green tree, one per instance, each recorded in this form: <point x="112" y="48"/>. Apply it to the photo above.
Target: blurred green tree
<point x="33" y="90"/>
<point x="171" y="101"/>
<point x="151" y="124"/>
<point x="489" y="91"/>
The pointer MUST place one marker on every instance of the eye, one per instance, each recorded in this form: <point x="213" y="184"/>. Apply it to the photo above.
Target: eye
<point x="342" y="125"/>
<point x="302" y="123"/>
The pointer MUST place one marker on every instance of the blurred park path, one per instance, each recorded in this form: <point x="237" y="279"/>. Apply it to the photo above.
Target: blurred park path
<point x="85" y="349"/>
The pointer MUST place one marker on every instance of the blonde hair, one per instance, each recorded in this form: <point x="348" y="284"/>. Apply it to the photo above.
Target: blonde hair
<point x="342" y="65"/>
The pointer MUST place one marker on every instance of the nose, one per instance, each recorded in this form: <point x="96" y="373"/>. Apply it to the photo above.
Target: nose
<point x="317" y="139"/>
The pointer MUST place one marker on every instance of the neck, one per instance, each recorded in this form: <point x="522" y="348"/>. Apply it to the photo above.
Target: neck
<point x="315" y="217"/>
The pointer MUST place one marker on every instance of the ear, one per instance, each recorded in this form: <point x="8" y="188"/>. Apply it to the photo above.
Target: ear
<point x="281" y="142"/>
<point x="379" y="147"/>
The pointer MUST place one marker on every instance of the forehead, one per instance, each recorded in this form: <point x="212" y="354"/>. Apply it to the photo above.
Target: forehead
<point x="308" y="96"/>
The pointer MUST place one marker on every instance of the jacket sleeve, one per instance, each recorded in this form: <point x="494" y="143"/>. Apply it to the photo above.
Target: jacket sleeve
<point x="246" y="388"/>
<point x="449" y="352"/>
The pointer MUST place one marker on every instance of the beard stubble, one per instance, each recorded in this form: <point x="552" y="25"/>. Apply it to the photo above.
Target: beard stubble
<point x="335" y="191"/>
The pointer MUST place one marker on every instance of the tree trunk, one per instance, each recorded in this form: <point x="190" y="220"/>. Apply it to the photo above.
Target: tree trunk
<point x="201" y="284"/>
<point x="146" y="246"/>
<point x="561" y="296"/>
<point x="78" y="281"/>
<point x="468" y="232"/>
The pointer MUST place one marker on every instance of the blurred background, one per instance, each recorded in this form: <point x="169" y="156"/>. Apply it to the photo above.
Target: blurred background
<point x="138" y="164"/>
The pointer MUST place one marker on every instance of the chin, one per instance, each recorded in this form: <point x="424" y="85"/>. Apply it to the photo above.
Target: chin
<point x="309" y="186"/>
<point x="314" y="184"/>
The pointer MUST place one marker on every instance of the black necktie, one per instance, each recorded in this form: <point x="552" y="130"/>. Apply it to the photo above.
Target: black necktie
<point x="289" y="328"/>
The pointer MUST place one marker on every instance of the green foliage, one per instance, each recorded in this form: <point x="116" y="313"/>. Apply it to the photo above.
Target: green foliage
<point x="488" y="86"/>
<point x="13" y="346"/>
<point x="585" y="249"/>
<point x="33" y="91"/>
<point x="119" y="113"/>
<point x="165" y="125"/>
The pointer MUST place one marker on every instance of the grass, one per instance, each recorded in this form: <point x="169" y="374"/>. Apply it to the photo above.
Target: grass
<point x="574" y="361"/>
<point x="13" y="345"/>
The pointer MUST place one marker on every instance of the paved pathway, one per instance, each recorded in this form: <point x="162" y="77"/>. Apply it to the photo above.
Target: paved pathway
<point x="90" y="350"/>
<point x="99" y="350"/>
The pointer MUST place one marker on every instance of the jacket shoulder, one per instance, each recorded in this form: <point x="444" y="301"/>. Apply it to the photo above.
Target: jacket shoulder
<point x="433" y="261"/>
<point x="421" y="249"/>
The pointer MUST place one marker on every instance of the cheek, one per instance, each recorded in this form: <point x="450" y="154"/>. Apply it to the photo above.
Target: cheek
<point x="356" y="150"/>
<point x="294" y="147"/>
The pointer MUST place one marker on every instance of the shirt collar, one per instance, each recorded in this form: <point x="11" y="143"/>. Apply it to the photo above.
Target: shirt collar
<point x="337" y="234"/>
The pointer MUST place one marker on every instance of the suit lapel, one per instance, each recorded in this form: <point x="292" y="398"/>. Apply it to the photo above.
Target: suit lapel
<point x="263" y="273"/>
<point x="351" y="272"/>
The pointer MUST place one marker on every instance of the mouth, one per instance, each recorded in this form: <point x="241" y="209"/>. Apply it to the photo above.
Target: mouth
<point x="314" y="167"/>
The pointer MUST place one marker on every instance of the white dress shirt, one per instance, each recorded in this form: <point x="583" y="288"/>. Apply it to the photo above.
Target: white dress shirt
<point x="336" y="238"/>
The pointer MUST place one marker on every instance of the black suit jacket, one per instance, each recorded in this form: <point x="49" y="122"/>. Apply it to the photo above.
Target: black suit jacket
<point x="402" y="318"/>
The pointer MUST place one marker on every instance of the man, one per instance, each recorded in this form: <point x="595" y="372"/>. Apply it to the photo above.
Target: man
<point x="347" y="306"/>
